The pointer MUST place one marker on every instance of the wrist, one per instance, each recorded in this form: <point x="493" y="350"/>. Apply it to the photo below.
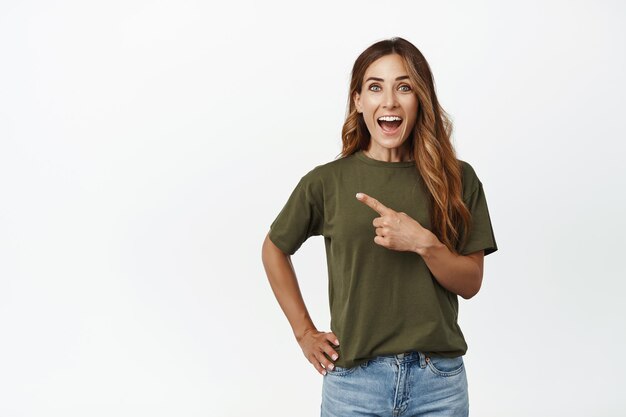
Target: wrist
<point x="301" y="333"/>
<point x="430" y="249"/>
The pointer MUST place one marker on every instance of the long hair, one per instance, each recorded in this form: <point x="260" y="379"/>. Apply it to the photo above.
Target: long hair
<point x="434" y="155"/>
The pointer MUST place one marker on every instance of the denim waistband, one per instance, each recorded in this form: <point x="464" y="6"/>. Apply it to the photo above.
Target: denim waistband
<point x="402" y="357"/>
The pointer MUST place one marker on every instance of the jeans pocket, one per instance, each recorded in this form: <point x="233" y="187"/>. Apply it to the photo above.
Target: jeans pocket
<point x="445" y="366"/>
<point x="340" y="370"/>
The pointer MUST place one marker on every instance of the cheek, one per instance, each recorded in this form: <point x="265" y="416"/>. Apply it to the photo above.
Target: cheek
<point x="368" y="107"/>
<point x="371" y="124"/>
<point x="412" y="107"/>
<point x="410" y="102"/>
<point x="368" y="112"/>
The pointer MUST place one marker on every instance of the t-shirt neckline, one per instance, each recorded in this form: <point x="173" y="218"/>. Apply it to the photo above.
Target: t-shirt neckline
<point x="375" y="162"/>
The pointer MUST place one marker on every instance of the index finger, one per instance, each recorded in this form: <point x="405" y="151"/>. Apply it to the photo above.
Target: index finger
<point x="373" y="203"/>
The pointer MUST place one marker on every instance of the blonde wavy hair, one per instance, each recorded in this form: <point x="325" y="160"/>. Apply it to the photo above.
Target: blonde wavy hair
<point x="433" y="153"/>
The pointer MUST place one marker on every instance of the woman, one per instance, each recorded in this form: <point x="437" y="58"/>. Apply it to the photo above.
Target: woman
<point x="406" y="227"/>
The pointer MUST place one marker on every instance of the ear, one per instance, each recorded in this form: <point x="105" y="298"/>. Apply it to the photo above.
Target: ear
<point x="357" y="102"/>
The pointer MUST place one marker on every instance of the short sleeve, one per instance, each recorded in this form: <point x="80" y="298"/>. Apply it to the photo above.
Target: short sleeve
<point x="301" y="217"/>
<point x="481" y="234"/>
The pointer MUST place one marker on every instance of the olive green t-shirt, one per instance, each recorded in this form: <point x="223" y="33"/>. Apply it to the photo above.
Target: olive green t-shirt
<point x="382" y="301"/>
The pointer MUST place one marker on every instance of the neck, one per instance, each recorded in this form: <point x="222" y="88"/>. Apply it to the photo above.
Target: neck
<point x="401" y="154"/>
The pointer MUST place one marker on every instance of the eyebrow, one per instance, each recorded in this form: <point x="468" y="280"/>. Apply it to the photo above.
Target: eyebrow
<point x="403" y="77"/>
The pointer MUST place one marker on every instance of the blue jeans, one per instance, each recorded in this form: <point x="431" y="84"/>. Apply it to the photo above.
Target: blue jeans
<point x="407" y="384"/>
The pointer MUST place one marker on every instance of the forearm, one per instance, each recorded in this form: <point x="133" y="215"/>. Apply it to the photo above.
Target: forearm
<point x="282" y="278"/>
<point x="457" y="273"/>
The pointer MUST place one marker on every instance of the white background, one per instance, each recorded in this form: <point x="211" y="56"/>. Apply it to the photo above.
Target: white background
<point x="145" y="148"/>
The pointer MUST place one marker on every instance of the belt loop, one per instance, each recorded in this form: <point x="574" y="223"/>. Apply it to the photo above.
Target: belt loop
<point x="422" y="358"/>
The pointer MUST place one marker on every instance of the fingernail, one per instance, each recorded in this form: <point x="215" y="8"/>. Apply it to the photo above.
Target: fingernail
<point x="324" y="372"/>
<point x="359" y="195"/>
<point x="337" y="342"/>
<point x="331" y="366"/>
<point x="335" y="357"/>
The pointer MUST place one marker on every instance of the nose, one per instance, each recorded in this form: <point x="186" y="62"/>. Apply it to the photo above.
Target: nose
<point x="389" y="99"/>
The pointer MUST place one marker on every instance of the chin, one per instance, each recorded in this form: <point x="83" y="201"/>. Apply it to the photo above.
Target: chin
<point x="389" y="143"/>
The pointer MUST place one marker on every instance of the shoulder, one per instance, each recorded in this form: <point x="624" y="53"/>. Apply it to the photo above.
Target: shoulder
<point x="328" y="170"/>
<point x="470" y="179"/>
<point x="321" y="179"/>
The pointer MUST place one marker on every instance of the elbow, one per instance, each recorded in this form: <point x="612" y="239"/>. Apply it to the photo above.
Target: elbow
<point x="469" y="295"/>
<point x="473" y="290"/>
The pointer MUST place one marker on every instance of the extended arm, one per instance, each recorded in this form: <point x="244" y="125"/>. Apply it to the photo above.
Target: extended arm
<point x="460" y="274"/>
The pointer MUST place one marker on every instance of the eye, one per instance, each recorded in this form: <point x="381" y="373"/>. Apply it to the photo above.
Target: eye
<point x="408" y="88"/>
<point x="374" y="86"/>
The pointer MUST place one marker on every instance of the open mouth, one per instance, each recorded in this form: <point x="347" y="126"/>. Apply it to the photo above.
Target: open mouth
<point x="389" y="124"/>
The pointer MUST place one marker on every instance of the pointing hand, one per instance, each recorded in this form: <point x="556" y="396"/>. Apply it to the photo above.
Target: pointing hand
<point x="397" y="230"/>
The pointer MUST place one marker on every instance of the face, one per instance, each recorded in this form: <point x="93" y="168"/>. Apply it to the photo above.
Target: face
<point x="387" y="91"/>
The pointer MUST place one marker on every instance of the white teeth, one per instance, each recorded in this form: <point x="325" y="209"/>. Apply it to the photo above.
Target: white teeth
<point x="390" y="118"/>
